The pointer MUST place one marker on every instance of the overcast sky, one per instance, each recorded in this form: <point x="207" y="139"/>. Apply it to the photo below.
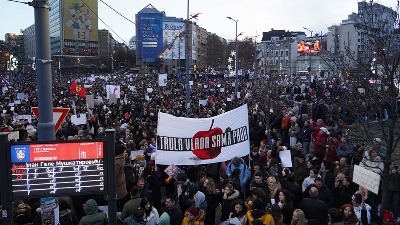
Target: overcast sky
<point x="254" y="16"/>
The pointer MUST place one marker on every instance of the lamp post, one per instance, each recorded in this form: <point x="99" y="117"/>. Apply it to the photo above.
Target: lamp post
<point x="255" y="56"/>
<point x="236" y="57"/>
<point x="187" y="58"/>
<point x="309" y="50"/>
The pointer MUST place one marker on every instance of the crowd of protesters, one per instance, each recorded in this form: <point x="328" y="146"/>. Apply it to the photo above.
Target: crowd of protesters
<point x="309" y="120"/>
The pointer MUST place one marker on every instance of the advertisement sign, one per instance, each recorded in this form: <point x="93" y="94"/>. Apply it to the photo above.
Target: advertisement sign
<point x="57" y="168"/>
<point x="307" y="47"/>
<point x="150" y="35"/>
<point x="173" y="40"/>
<point x="80" y="21"/>
<point x="194" y="43"/>
<point x="187" y="141"/>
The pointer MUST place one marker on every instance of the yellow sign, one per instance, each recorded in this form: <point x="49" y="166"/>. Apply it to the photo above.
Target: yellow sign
<point x="80" y="20"/>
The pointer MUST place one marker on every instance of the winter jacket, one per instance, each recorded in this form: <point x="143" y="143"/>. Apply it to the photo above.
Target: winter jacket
<point x="130" y="206"/>
<point x="294" y="130"/>
<point x="93" y="215"/>
<point x="375" y="165"/>
<point x="321" y="140"/>
<point x="315" y="128"/>
<point x="175" y="214"/>
<point x="198" y="220"/>
<point x="153" y="218"/>
<point x="245" y="172"/>
<point x="132" y="220"/>
<point x="120" y="181"/>
<point x="264" y="217"/>
<point x="164" y="219"/>
<point x="394" y="181"/>
<point x="305" y="134"/>
<point x="226" y="204"/>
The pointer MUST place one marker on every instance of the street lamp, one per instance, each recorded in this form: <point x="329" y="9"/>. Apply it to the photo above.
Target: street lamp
<point x="236" y="58"/>
<point x="309" y="50"/>
<point x="188" y="57"/>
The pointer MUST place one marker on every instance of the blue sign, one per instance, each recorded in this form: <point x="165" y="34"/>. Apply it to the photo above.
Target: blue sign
<point x="20" y="153"/>
<point x="150" y="35"/>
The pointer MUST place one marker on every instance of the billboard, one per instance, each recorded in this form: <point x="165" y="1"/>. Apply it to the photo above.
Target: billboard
<point x="149" y="35"/>
<point x="80" y="20"/>
<point x="307" y="47"/>
<point x="194" y="42"/>
<point x="173" y="40"/>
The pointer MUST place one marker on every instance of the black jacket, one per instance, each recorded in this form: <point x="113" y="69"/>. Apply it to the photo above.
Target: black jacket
<point x="175" y="215"/>
<point x="315" y="209"/>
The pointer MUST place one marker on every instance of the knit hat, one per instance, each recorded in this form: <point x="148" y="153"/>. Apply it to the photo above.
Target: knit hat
<point x="193" y="211"/>
<point x="388" y="217"/>
<point x="357" y="198"/>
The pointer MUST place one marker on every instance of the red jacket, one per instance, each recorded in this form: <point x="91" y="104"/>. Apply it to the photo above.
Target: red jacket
<point x="331" y="155"/>
<point x="320" y="144"/>
<point x="315" y="128"/>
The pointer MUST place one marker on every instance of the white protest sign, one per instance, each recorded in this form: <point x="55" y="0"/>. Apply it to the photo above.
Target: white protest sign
<point x="203" y="102"/>
<point x="149" y="90"/>
<point x="205" y="86"/>
<point x="90" y="101"/>
<point x="222" y="90"/>
<point x="113" y="89"/>
<point x="366" y="178"/>
<point x="162" y="80"/>
<point x="286" y="158"/>
<point x="190" y="83"/>
<point x="78" y="120"/>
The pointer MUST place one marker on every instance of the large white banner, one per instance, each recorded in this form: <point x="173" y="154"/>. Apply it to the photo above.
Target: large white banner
<point x="186" y="141"/>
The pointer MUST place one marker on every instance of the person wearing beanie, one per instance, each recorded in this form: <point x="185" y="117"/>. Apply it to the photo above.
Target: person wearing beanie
<point x="388" y="218"/>
<point x="362" y="209"/>
<point x="193" y="216"/>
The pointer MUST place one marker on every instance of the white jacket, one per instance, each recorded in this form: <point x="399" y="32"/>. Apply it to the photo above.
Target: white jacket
<point x="375" y="166"/>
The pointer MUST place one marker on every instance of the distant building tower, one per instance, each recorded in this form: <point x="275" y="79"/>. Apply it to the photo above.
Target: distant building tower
<point x="149" y="30"/>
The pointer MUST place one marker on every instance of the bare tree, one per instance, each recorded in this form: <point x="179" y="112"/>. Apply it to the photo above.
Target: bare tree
<point x="369" y="75"/>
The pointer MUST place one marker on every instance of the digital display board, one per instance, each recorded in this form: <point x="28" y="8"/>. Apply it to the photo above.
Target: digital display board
<point x="308" y="47"/>
<point x="57" y="168"/>
<point x="150" y="35"/>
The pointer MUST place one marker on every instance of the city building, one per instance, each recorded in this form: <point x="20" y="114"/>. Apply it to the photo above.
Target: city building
<point x="277" y="52"/>
<point x="74" y="34"/>
<point x="349" y="38"/>
<point x="15" y="44"/>
<point x="107" y="48"/>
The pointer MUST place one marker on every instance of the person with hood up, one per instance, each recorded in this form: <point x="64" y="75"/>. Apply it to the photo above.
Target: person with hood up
<point x="258" y="213"/>
<point x="164" y="219"/>
<point x="137" y="218"/>
<point x="93" y="215"/>
<point x="193" y="216"/>
<point x="321" y="142"/>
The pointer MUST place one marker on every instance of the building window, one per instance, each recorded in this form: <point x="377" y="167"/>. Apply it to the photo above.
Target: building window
<point x="287" y="52"/>
<point x="281" y="52"/>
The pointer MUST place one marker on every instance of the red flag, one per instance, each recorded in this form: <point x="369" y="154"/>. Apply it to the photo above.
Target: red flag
<point x="78" y="89"/>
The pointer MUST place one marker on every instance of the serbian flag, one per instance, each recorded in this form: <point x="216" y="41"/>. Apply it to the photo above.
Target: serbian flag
<point x="78" y="89"/>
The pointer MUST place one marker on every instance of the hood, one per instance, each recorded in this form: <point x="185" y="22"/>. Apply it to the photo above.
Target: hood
<point x="200" y="198"/>
<point x="90" y="207"/>
<point x="164" y="219"/>
<point x="256" y="214"/>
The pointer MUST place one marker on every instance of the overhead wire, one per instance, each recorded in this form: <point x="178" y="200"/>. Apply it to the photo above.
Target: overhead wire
<point x="118" y="12"/>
